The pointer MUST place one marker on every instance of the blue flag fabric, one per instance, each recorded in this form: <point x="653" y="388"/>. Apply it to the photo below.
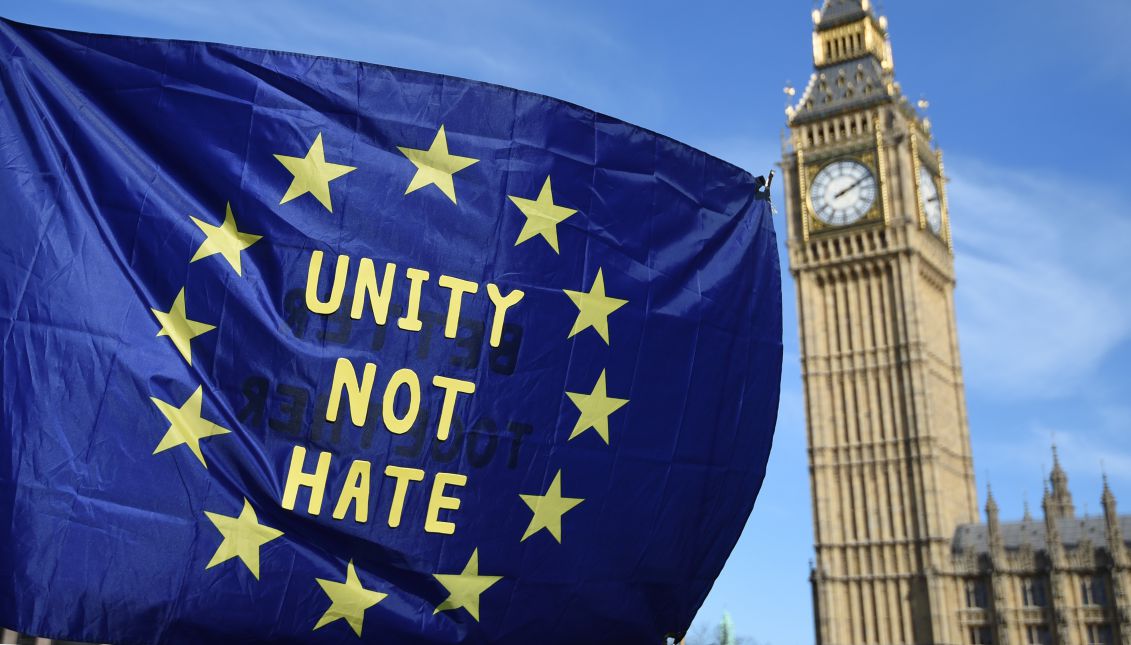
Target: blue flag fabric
<point x="298" y="349"/>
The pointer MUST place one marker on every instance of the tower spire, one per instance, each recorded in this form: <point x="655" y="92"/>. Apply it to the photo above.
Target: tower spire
<point x="838" y="12"/>
<point x="847" y="30"/>
<point x="1108" y="501"/>
<point x="1113" y="530"/>
<point x="852" y="61"/>
<point x="994" y="523"/>
<point x="1060" y="501"/>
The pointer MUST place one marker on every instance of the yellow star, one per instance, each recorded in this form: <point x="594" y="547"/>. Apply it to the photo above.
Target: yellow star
<point x="593" y="308"/>
<point x="542" y="216"/>
<point x="186" y="426"/>
<point x="312" y="173"/>
<point x="243" y="536"/>
<point x="224" y="239"/>
<point x="435" y="166"/>
<point x="548" y="509"/>
<point x="465" y="587"/>
<point x="176" y="325"/>
<point x="595" y="409"/>
<point x="348" y="600"/>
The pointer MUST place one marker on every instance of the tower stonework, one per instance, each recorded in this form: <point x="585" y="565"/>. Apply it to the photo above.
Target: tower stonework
<point x="891" y="472"/>
<point x="900" y="556"/>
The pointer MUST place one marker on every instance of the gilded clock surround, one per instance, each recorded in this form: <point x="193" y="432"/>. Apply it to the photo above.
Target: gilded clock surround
<point x="873" y="215"/>
<point x="932" y="162"/>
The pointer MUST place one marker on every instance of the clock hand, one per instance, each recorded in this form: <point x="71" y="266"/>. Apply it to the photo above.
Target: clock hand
<point x="845" y="191"/>
<point x="933" y="199"/>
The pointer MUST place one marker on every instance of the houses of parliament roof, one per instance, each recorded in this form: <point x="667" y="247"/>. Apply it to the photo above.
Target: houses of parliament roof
<point x="1060" y="515"/>
<point x="1031" y="533"/>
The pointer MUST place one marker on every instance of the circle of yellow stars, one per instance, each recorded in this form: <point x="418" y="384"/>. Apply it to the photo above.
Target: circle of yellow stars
<point x="243" y="536"/>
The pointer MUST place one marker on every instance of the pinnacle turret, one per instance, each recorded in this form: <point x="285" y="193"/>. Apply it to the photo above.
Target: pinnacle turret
<point x="1060" y="497"/>
<point x="1052" y="527"/>
<point x="993" y="522"/>
<point x="1108" y="500"/>
<point x="1112" y="529"/>
<point x="991" y="506"/>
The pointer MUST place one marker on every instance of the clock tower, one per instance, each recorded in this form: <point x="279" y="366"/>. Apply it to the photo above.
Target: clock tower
<point x="869" y="242"/>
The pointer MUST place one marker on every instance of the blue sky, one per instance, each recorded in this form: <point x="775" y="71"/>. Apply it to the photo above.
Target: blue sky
<point x="1029" y="102"/>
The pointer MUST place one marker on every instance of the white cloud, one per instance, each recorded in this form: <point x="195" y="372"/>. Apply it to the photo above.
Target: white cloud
<point x="1097" y="442"/>
<point x="1043" y="278"/>
<point x="1089" y="450"/>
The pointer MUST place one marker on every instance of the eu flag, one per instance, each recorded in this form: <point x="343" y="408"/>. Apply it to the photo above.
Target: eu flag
<point x="298" y="349"/>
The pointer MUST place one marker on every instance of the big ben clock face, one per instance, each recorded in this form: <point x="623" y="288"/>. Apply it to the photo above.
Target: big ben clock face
<point x="843" y="192"/>
<point x="930" y="200"/>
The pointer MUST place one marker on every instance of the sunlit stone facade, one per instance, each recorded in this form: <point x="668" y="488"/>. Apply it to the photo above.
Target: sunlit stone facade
<point x="900" y="557"/>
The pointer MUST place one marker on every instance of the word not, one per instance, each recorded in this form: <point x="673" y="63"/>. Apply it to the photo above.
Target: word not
<point x="366" y="291"/>
<point x="359" y="394"/>
<point x="295" y="413"/>
<point x="356" y="490"/>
